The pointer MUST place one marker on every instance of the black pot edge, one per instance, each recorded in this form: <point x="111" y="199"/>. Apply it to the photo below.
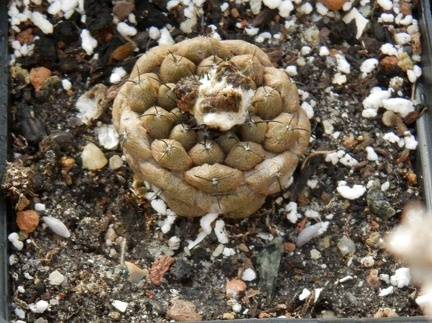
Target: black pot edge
<point x="424" y="136"/>
<point x="4" y="100"/>
<point x="424" y="95"/>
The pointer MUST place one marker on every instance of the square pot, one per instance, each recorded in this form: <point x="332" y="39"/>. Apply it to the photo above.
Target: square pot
<point x="424" y="167"/>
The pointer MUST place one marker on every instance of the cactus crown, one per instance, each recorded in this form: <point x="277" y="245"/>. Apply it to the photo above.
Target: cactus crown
<point x="212" y="124"/>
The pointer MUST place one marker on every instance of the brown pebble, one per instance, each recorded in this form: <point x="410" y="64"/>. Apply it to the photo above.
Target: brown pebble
<point x="411" y="177"/>
<point x="243" y="247"/>
<point x="234" y="287"/>
<point x="26" y="36"/>
<point x="27" y="220"/>
<point x="38" y="76"/>
<point x="183" y="311"/>
<point x="159" y="267"/>
<point x="350" y="142"/>
<point x="264" y="315"/>
<point x="386" y="312"/>
<point x="405" y="7"/>
<point x="122" y="9"/>
<point x="67" y="162"/>
<point x="389" y="65"/>
<point x="123" y="51"/>
<point x="289" y="246"/>
<point x="416" y="43"/>
<point x="373" y="279"/>
<point x="334" y="4"/>
<point x="235" y="13"/>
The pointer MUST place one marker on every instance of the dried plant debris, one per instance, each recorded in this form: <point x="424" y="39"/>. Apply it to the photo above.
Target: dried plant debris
<point x="149" y="151"/>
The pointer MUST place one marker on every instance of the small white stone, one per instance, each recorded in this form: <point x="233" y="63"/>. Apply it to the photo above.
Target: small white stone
<point x="367" y="261"/>
<point x="119" y="305"/>
<point x="117" y="74"/>
<point x="107" y="136"/>
<point x="174" y="243"/>
<point x="361" y="22"/>
<point x="251" y="31"/>
<point x="351" y="193"/>
<point x="69" y="5"/>
<point x="14" y="239"/>
<point x="285" y="8"/>
<point x="249" y="274"/>
<point x="375" y="99"/>
<point x="228" y="252"/>
<point x="401" y="278"/>
<point x="20" y="313"/>
<point x="207" y="220"/>
<point x="339" y="79"/>
<point x="348" y="160"/>
<point x="402" y="38"/>
<point x="312" y="214"/>
<point x="40" y="307"/>
<point x="387" y="17"/>
<point x="159" y="206"/>
<point x="272" y="4"/>
<point x="67" y="85"/>
<point x="324" y="51"/>
<point x="321" y="8"/>
<point x="54" y="8"/>
<point x="388" y="49"/>
<point x="13" y="259"/>
<point x="304" y="294"/>
<point x="310" y="232"/>
<point x="386" y="291"/>
<point x="371" y="154"/>
<point x="308" y="109"/>
<point x="385" y="4"/>
<point x="220" y="232"/>
<point x="315" y="254"/>
<point x="56" y="226"/>
<point x="410" y="142"/>
<point x="255" y="6"/>
<point x="41" y="22"/>
<point x="165" y="37"/>
<point x="305" y="8"/>
<point x="368" y="66"/>
<point x="291" y="70"/>
<point x="342" y="64"/>
<point x="168" y="222"/>
<point x="391" y="137"/>
<point x="115" y="162"/>
<point x="88" y="43"/>
<point x="93" y="158"/>
<point x="385" y="278"/>
<point x="56" y="278"/>
<point x="154" y="33"/>
<point x="224" y="6"/>
<point x="399" y="105"/>
<point x="125" y="30"/>
<point x="236" y="307"/>
<point x="291" y="209"/>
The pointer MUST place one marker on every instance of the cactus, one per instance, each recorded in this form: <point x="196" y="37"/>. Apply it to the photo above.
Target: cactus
<point x="212" y="124"/>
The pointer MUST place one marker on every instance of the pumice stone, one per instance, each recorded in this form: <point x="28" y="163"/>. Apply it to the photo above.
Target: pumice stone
<point x="212" y="124"/>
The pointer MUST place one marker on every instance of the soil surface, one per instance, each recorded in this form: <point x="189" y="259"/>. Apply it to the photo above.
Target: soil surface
<point x="109" y="224"/>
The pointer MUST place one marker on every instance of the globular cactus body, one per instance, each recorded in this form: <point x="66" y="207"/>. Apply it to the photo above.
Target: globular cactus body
<point x="212" y="124"/>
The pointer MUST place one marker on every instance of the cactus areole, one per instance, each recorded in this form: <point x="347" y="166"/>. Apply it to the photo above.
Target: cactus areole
<point x="212" y="124"/>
